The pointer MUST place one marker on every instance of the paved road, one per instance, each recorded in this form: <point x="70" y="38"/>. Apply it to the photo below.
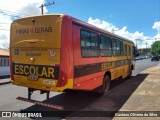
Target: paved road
<point x="144" y="64"/>
<point x="119" y="93"/>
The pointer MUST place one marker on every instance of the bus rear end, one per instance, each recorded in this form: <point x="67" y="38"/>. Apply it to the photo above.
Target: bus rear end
<point x="35" y="50"/>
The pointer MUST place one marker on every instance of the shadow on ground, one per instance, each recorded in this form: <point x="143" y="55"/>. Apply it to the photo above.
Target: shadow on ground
<point x="89" y="103"/>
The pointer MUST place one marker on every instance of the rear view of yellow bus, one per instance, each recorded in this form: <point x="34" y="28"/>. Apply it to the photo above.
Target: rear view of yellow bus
<point x="35" y="52"/>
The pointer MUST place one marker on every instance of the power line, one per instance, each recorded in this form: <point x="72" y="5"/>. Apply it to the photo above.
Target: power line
<point x="4" y="29"/>
<point x="9" y="9"/>
<point x="12" y="13"/>
<point x="4" y="23"/>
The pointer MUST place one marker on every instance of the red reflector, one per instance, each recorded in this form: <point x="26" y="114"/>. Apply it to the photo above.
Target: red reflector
<point x="62" y="82"/>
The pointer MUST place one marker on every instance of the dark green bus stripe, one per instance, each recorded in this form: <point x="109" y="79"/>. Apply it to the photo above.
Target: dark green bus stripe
<point x="83" y="70"/>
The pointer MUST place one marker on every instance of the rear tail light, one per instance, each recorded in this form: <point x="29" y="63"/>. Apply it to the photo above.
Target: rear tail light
<point x="62" y="81"/>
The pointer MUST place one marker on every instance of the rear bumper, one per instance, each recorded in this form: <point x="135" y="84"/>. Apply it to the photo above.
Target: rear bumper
<point x="45" y="87"/>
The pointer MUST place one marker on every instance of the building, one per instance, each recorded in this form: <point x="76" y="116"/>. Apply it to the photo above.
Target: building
<point x="4" y="62"/>
<point x="144" y="51"/>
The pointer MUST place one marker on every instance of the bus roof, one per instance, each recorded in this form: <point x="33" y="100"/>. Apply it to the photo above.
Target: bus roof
<point x="84" y="24"/>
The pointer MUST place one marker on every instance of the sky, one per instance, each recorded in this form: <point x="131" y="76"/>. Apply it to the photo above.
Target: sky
<point x="137" y="20"/>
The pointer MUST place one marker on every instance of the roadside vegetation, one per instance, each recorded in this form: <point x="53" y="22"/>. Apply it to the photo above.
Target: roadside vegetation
<point x="155" y="48"/>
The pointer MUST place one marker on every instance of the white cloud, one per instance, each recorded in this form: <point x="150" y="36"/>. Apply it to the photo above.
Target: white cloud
<point x="123" y="32"/>
<point x="29" y="7"/>
<point x="137" y="37"/>
<point x="101" y="24"/>
<point x="9" y="9"/>
<point x="5" y="22"/>
<point x="157" y="27"/>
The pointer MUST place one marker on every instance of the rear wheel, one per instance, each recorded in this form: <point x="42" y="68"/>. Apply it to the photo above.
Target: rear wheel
<point x="105" y="86"/>
<point x="129" y="75"/>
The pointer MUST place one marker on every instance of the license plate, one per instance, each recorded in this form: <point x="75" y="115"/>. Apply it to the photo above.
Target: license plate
<point x="32" y="77"/>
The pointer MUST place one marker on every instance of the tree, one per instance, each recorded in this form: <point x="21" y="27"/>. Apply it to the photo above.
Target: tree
<point x="155" y="48"/>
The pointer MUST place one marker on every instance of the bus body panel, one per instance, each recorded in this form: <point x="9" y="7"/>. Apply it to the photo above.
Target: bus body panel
<point x="46" y="55"/>
<point x="81" y="65"/>
<point x="119" y="65"/>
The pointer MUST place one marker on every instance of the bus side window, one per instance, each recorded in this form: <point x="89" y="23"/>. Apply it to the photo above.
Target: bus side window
<point x="114" y="46"/>
<point x="89" y="44"/>
<point x="105" y="46"/>
<point x="118" y="48"/>
<point x="85" y="39"/>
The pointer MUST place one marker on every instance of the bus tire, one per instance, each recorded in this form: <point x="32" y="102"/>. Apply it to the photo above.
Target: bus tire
<point x="129" y="76"/>
<point x="105" y="86"/>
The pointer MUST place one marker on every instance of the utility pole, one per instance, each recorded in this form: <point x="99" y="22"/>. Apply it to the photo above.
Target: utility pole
<point x="136" y="43"/>
<point x="43" y="5"/>
<point x="146" y="49"/>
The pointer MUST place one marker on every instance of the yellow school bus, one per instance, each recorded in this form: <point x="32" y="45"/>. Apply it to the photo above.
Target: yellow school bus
<point x="59" y="52"/>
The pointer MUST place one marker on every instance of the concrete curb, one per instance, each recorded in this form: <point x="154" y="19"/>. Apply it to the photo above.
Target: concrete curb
<point x="2" y="83"/>
<point x="5" y="81"/>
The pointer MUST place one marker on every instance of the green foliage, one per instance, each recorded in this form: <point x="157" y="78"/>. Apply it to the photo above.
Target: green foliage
<point x="155" y="48"/>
